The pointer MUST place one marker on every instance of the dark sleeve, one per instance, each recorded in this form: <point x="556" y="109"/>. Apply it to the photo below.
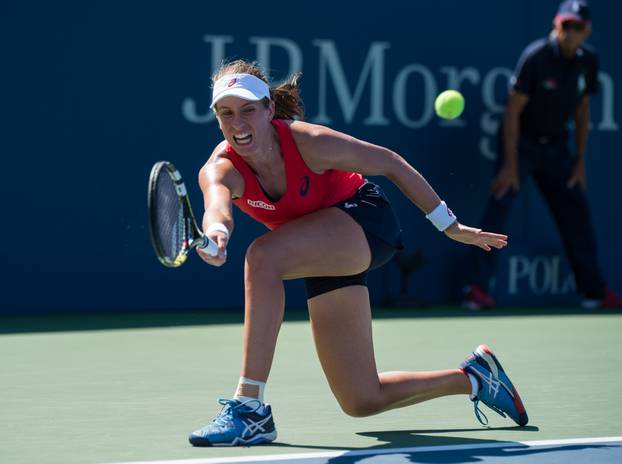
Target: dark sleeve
<point x="524" y="77"/>
<point x="591" y="79"/>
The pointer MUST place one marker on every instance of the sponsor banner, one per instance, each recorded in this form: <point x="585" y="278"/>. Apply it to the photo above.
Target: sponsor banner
<point x="533" y="276"/>
<point x="94" y="93"/>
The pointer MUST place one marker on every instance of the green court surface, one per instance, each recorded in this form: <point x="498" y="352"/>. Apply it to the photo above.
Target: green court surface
<point x="103" y="389"/>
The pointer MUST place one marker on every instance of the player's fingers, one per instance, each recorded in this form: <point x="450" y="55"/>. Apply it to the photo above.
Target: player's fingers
<point x="204" y="255"/>
<point x="490" y="239"/>
<point x="483" y="246"/>
<point x="494" y="236"/>
<point x="222" y="246"/>
<point x="501" y="242"/>
<point x="217" y="260"/>
<point x="494" y="243"/>
<point x="501" y="191"/>
<point x="221" y="241"/>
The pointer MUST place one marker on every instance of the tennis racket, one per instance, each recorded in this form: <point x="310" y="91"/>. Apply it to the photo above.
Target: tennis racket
<point x="172" y="226"/>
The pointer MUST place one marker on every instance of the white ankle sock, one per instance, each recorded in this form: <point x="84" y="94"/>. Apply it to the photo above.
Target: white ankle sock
<point x="246" y="381"/>
<point x="474" y="385"/>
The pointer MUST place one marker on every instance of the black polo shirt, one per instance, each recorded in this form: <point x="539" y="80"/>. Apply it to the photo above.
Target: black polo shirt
<point x="554" y="84"/>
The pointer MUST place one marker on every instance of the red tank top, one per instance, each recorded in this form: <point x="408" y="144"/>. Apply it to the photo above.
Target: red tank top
<point x="306" y="191"/>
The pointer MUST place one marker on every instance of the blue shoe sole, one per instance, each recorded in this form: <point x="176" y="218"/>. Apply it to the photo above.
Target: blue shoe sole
<point x="259" y="439"/>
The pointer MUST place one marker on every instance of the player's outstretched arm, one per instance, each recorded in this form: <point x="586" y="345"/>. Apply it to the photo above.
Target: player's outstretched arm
<point x="323" y="148"/>
<point x="219" y="182"/>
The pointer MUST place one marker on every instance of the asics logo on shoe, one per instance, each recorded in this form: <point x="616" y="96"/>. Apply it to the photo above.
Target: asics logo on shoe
<point x="493" y="384"/>
<point x="251" y="428"/>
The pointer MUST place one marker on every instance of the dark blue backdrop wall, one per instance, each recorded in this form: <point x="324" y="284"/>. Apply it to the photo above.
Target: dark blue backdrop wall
<point x="93" y="93"/>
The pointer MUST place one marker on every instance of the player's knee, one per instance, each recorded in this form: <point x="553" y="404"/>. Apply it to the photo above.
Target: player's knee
<point x="360" y="406"/>
<point x="260" y="256"/>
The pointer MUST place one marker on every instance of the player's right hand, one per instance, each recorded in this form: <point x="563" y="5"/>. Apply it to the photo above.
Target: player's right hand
<point x="506" y="179"/>
<point x="221" y="258"/>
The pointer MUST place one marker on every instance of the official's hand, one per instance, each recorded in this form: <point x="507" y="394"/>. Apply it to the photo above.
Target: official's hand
<point x="221" y="240"/>
<point x="506" y="179"/>
<point x="477" y="237"/>
<point x="578" y="176"/>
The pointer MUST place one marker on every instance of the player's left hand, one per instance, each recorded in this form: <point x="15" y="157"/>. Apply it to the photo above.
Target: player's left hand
<point x="578" y="176"/>
<point x="477" y="237"/>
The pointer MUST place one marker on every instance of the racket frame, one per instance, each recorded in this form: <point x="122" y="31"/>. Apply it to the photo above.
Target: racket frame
<point x="192" y="235"/>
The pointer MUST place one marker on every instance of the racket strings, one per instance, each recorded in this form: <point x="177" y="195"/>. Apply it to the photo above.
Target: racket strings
<point x="170" y="226"/>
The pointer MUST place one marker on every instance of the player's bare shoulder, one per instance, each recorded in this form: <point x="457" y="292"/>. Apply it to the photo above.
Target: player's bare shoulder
<point x="306" y="134"/>
<point x="218" y="154"/>
<point x="318" y="145"/>
<point x="219" y="169"/>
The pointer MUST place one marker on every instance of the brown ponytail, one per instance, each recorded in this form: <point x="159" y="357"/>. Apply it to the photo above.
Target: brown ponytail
<point x="286" y="97"/>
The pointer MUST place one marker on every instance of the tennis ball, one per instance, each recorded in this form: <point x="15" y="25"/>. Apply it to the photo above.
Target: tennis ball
<point x="449" y="104"/>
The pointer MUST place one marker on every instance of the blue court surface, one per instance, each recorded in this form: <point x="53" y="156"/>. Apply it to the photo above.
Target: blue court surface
<point x="604" y="450"/>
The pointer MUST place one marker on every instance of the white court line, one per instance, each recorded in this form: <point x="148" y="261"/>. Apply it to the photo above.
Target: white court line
<point x="372" y="452"/>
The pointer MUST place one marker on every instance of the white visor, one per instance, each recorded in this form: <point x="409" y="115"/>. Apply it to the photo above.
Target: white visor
<point x="245" y="86"/>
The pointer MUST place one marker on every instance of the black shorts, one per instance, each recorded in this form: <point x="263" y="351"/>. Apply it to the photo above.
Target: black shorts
<point x="371" y="209"/>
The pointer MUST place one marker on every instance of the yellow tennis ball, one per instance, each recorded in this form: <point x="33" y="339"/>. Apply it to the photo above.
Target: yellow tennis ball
<point x="449" y="104"/>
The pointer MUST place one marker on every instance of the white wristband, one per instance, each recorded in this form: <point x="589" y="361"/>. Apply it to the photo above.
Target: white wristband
<point x="218" y="227"/>
<point x="441" y="216"/>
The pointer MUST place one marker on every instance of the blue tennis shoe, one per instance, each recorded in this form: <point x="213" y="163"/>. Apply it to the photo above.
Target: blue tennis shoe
<point x="239" y="423"/>
<point x="495" y="388"/>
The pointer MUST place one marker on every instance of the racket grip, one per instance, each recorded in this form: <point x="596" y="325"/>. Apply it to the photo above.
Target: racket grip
<point x="209" y="246"/>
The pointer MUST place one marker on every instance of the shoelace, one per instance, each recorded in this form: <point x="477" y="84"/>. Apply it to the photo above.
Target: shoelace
<point x="479" y="412"/>
<point x="224" y="417"/>
<point x="231" y="407"/>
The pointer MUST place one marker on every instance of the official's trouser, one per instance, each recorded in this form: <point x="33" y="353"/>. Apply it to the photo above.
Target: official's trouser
<point x="551" y="166"/>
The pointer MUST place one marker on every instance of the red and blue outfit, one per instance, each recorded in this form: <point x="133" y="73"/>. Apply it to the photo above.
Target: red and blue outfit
<point x="307" y="192"/>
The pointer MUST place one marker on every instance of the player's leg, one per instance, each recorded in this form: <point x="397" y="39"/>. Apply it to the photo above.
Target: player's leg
<point x="341" y="324"/>
<point x="325" y="243"/>
<point x="571" y="211"/>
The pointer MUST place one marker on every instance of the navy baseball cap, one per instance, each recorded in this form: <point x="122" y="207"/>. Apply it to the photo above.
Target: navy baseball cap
<point x="574" y="10"/>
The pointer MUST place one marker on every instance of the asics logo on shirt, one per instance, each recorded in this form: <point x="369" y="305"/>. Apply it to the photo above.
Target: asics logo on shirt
<point x="260" y="204"/>
<point x="304" y="186"/>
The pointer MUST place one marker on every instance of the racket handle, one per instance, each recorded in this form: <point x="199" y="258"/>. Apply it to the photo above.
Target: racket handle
<point x="210" y="246"/>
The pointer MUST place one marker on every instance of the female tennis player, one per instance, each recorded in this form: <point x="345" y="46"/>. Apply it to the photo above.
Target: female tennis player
<point x="330" y="226"/>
